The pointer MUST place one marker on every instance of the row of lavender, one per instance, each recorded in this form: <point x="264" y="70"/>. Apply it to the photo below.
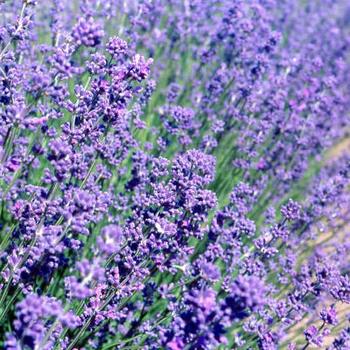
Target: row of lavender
<point x="163" y="183"/>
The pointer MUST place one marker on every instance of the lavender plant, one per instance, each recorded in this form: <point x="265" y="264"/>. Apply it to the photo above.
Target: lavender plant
<point x="165" y="177"/>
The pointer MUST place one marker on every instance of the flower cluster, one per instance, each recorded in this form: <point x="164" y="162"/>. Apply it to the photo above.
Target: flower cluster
<point x="168" y="178"/>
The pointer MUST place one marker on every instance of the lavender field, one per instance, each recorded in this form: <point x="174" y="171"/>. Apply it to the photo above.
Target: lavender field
<point x="174" y="174"/>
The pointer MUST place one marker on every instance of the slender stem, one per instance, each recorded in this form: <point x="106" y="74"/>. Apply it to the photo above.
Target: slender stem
<point x="20" y="20"/>
<point x="9" y="304"/>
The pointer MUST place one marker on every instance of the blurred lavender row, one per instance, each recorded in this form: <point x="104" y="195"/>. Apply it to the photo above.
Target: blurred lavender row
<point x="164" y="178"/>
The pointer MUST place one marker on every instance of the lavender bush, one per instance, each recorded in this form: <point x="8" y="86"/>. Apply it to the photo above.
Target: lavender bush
<point x="165" y="176"/>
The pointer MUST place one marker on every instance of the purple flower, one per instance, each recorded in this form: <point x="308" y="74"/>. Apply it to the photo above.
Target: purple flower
<point x="139" y="67"/>
<point x="246" y="294"/>
<point x="87" y="32"/>
<point x="142" y="192"/>
<point x="82" y="287"/>
<point x="210" y="271"/>
<point x="110" y="239"/>
<point x="32" y="315"/>
<point x="329" y="315"/>
<point x="194" y="168"/>
<point x="117" y="47"/>
<point x="175" y="344"/>
<point x="291" y="211"/>
<point x="315" y="336"/>
<point x="98" y="64"/>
